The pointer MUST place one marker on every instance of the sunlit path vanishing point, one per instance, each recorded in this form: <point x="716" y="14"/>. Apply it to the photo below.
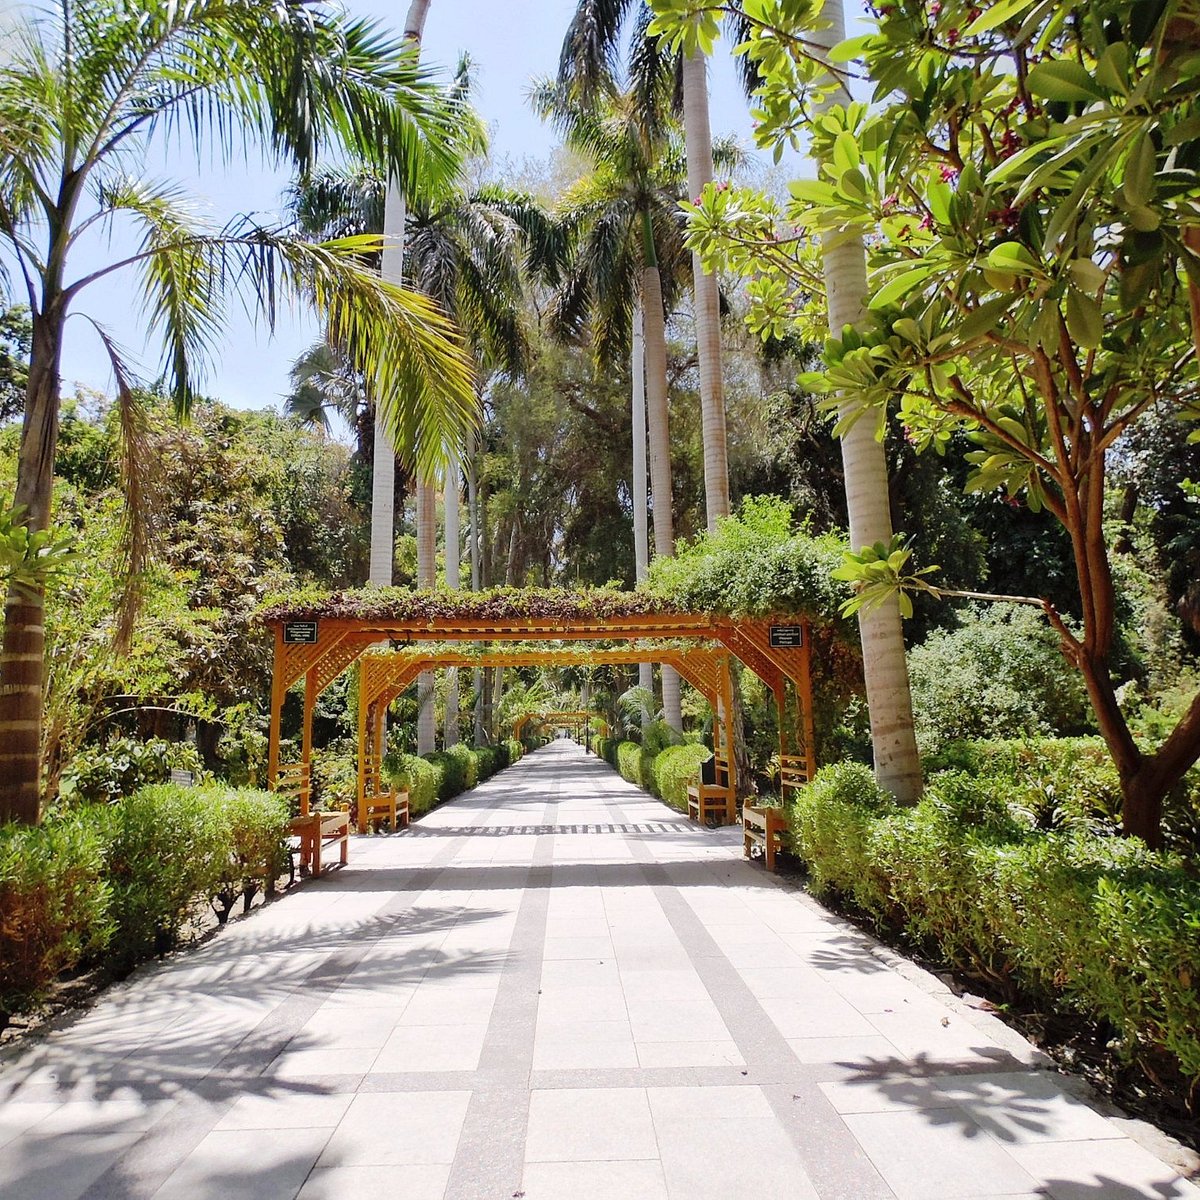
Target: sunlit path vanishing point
<point x="552" y="987"/>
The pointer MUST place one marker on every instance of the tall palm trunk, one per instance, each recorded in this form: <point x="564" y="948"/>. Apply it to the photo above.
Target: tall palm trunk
<point x="426" y="578"/>
<point x="889" y="701"/>
<point x="383" y="458"/>
<point x="22" y="654"/>
<point x="641" y="532"/>
<point x="476" y="571"/>
<point x="698" y="139"/>
<point x="660" y="439"/>
<point x="453" y="473"/>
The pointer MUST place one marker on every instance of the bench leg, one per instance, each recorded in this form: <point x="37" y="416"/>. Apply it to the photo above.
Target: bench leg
<point x="769" y="852"/>
<point x="345" y="847"/>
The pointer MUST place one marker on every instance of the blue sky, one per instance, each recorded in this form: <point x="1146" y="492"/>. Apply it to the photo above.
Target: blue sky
<point x="511" y="41"/>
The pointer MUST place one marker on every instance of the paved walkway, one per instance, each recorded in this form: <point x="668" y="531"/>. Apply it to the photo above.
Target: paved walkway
<point x="559" y="989"/>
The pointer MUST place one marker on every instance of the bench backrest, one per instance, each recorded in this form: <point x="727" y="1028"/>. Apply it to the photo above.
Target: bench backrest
<point x="714" y="772"/>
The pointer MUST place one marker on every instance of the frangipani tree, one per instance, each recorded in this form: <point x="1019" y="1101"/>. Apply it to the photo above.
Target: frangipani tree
<point x="1030" y="185"/>
<point x="84" y="89"/>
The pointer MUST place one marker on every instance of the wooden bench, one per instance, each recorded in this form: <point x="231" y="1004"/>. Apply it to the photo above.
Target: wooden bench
<point x="711" y="798"/>
<point x="317" y="831"/>
<point x="378" y="803"/>
<point x="793" y="773"/>
<point x="763" y="827"/>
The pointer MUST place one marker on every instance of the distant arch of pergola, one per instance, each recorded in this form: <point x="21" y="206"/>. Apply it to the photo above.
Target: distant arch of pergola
<point x="316" y="640"/>
<point x="560" y="717"/>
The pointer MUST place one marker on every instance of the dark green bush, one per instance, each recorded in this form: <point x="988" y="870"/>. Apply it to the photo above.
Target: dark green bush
<point x="256" y="832"/>
<point x="485" y="762"/>
<point x="1096" y="923"/>
<point x="636" y="764"/>
<point x="453" y="778"/>
<point x="1000" y="674"/>
<point x="98" y="774"/>
<point x="166" y="853"/>
<point x="514" y="750"/>
<point x="1053" y="782"/>
<point x="54" y="905"/>
<point x="675" y="768"/>
<point x="422" y="778"/>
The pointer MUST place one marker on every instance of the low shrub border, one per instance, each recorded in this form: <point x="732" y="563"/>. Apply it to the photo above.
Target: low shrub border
<point x="1099" y="925"/>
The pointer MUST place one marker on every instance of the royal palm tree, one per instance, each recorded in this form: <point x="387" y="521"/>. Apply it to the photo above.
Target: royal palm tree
<point x="84" y="88"/>
<point x="590" y="68"/>
<point x="628" y="253"/>
<point x="885" y="668"/>
<point x="467" y="251"/>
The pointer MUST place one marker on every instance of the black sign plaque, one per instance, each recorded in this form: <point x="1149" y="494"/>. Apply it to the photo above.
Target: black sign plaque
<point x="787" y="636"/>
<point x="300" y="633"/>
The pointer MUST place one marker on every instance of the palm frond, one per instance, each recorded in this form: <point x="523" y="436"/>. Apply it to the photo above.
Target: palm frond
<point x="589" y="61"/>
<point x="139" y="480"/>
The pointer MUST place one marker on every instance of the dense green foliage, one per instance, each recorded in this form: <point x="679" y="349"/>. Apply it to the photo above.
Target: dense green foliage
<point x="110" y="884"/>
<point x="54" y="906"/>
<point x="675" y="769"/>
<point x="756" y="564"/>
<point x="1000" y="673"/>
<point x="1094" y="923"/>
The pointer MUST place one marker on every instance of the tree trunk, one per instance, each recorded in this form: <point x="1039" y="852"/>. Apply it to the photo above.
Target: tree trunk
<point x="383" y="453"/>
<point x="453" y="474"/>
<point x="660" y="446"/>
<point x="476" y="571"/>
<point x="698" y="138"/>
<point x="641" y="532"/>
<point x="426" y="578"/>
<point x="23" y="651"/>
<point x="383" y="462"/>
<point x="889" y="701"/>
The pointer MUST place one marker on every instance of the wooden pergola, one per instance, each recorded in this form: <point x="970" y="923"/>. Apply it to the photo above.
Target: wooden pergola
<point x="316" y="642"/>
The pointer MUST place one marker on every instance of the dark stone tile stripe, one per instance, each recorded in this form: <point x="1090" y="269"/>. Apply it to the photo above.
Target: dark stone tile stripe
<point x="489" y="1160"/>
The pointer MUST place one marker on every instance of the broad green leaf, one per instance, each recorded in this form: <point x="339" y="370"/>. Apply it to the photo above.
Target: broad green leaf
<point x="997" y="14"/>
<point x="899" y="287"/>
<point x="1084" y="319"/>
<point x="1138" y="184"/>
<point x="1014" y="259"/>
<point x="851" y="48"/>
<point x="985" y="318"/>
<point x="1086" y="275"/>
<point x="1061" y="79"/>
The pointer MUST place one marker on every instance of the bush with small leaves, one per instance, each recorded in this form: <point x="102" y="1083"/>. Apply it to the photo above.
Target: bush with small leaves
<point x="422" y="778"/>
<point x="256" y="829"/>
<point x="675" y="768"/>
<point x="166" y="853"/>
<point x="54" y="905"/>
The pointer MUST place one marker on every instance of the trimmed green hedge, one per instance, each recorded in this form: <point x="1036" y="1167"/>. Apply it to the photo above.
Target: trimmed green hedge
<point x="675" y="768"/>
<point x="636" y="764"/>
<point x="422" y="778"/>
<point x="1098" y="924"/>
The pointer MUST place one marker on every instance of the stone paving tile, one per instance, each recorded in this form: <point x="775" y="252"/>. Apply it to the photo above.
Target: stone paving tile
<point x="594" y="1181"/>
<point x="1113" y="1170"/>
<point x="411" y="1182"/>
<point x="586" y="1124"/>
<point x="245" y="1164"/>
<point x="384" y="1128"/>
<point x="58" y="1166"/>
<point x="937" y="1154"/>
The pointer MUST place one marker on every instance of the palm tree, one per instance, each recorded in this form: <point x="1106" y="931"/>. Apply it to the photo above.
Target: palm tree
<point x="83" y="88"/>
<point x="889" y="700"/>
<point x="628" y="253"/>
<point x="589" y="68"/>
